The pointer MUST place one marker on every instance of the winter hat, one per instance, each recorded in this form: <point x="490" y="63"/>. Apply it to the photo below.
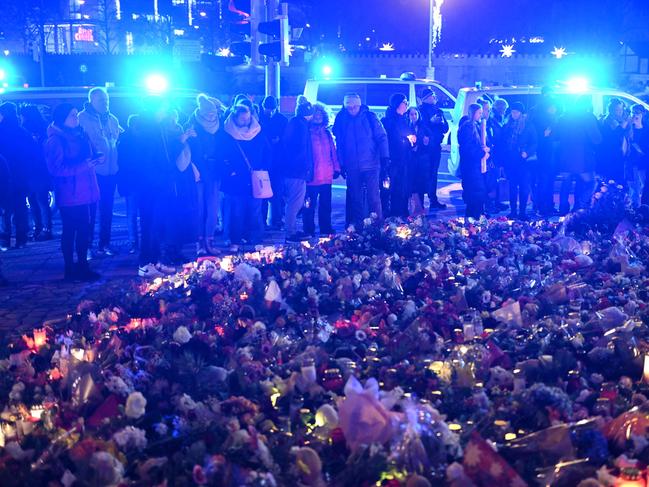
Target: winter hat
<point x="397" y="99"/>
<point x="60" y="113"/>
<point x="269" y="103"/>
<point x="205" y="105"/>
<point x="9" y="111"/>
<point x="303" y="107"/>
<point x="427" y="93"/>
<point x="518" y="106"/>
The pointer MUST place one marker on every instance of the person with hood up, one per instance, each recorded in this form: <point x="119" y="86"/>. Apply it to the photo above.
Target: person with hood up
<point x="401" y="140"/>
<point x="421" y="162"/>
<point x="519" y="146"/>
<point x="325" y="169"/>
<point x="204" y="155"/>
<point x="273" y="125"/>
<point x="103" y="129"/>
<point x="472" y="151"/>
<point x="243" y="149"/>
<point x="297" y="165"/>
<point x="362" y="151"/>
<point x="71" y="161"/>
<point x="20" y="152"/>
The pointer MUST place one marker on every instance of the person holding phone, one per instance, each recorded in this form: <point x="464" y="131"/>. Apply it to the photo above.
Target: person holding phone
<point x="71" y="163"/>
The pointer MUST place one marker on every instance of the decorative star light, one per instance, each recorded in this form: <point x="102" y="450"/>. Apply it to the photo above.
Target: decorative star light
<point x="388" y="46"/>
<point x="224" y="52"/>
<point x="559" y="52"/>
<point x="507" y="50"/>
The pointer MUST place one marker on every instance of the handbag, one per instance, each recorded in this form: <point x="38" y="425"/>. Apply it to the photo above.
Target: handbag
<point x="259" y="178"/>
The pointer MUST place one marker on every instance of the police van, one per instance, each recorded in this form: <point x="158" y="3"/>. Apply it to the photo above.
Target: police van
<point x="564" y="93"/>
<point x="376" y="92"/>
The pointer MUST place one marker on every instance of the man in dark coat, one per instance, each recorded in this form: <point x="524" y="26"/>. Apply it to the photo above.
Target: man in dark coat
<point x="297" y="166"/>
<point x="612" y="151"/>
<point x="5" y="184"/>
<point x="433" y="118"/>
<point x="363" y="153"/>
<point x="401" y="140"/>
<point x="273" y="125"/>
<point x="519" y="146"/>
<point x="577" y="136"/>
<point x="20" y="151"/>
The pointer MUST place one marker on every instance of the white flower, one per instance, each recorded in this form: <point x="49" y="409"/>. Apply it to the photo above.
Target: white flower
<point x="186" y="403"/>
<point x="108" y="470"/>
<point x="116" y="385"/>
<point x="68" y="479"/>
<point x="182" y="335"/>
<point x="135" y="405"/>
<point x="130" y="437"/>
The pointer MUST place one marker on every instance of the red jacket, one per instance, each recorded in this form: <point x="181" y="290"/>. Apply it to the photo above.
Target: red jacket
<point x="67" y="154"/>
<point x="325" y="158"/>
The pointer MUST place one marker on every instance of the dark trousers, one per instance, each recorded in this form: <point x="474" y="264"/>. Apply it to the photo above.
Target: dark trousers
<point x="107" y="185"/>
<point x="76" y="227"/>
<point x="474" y="194"/>
<point x="584" y="184"/>
<point x="39" y="202"/>
<point x="245" y="219"/>
<point x="272" y="210"/>
<point x="399" y="192"/>
<point x="319" y="196"/>
<point x="16" y="212"/>
<point x="152" y="227"/>
<point x="519" y="187"/>
<point x="363" y="194"/>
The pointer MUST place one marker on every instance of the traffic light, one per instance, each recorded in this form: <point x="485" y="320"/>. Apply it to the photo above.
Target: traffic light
<point x="278" y="49"/>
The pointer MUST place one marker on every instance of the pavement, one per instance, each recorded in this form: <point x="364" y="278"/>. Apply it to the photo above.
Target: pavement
<point x="37" y="293"/>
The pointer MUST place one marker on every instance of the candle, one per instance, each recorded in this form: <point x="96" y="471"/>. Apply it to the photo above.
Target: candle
<point x="37" y="412"/>
<point x="469" y="331"/>
<point x="40" y="338"/>
<point x="78" y="353"/>
<point x="645" y="370"/>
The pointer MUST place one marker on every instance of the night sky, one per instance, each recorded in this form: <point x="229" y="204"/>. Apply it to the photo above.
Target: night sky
<point x="470" y="24"/>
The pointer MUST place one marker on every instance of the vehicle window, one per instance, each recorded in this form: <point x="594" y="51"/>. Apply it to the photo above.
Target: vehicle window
<point x="378" y="94"/>
<point x="443" y="100"/>
<point x="333" y="93"/>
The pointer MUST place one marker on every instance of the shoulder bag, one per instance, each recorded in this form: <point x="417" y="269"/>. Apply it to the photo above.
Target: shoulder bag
<point x="260" y="179"/>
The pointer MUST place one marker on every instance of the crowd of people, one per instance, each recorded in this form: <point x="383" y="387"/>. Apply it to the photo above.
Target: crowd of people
<point x="230" y="172"/>
<point x="531" y="150"/>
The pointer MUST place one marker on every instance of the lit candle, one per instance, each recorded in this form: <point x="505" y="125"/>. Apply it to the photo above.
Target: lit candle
<point x="78" y="353"/>
<point x="36" y="412"/>
<point x="645" y="370"/>
<point x="40" y="338"/>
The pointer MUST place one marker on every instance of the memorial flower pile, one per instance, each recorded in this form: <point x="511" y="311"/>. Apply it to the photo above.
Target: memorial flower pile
<point x="429" y="353"/>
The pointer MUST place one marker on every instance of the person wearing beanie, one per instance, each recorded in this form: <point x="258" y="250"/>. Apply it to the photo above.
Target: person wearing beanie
<point x="21" y="154"/>
<point x="297" y="165"/>
<point x="519" y="150"/>
<point x="71" y="162"/>
<point x="432" y="118"/>
<point x="103" y="129"/>
<point x="401" y="141"/>
<point x="204" y="149"/>
<point x="273" y="125"/>
<point x="362" y="151"/>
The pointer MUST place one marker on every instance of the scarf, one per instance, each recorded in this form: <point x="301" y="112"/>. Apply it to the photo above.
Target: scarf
<point x="210" y="126"/>
<point x="242" y="133"/>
